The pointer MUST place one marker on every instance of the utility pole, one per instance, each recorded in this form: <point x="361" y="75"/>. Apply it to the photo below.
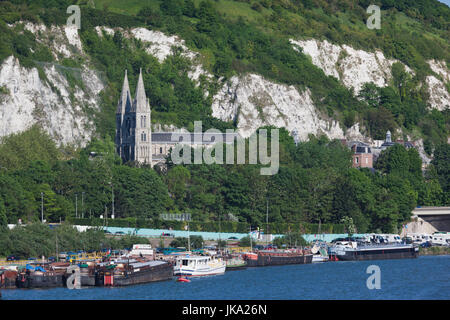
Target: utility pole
<point x="42" y="207"/>
<point x="112" y="201"/>
<point x="57" y="254"/>
<point x="76" y="205"/>
<point x="220" y="240"/>
<point x="82" y="204"/>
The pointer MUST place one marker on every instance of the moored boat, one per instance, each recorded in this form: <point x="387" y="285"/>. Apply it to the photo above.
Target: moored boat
<point x="194" y="266"/>
<point x="38" y="277"/>
<point x="354" y="251"/>
<point x="278" y="257"/>
<point x="320" y="254"/>
<point x="236" y="263"/>
<point x="129" y="272"/>
<point x="8" y="279"/>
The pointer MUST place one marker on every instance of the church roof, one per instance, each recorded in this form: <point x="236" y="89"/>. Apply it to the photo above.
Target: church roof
<point x="205" y="138"/>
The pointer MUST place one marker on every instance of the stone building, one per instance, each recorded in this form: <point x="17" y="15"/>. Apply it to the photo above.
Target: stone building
<point x="133" y="124"/>
<point x="134" y="138"/>
<point x="362" y="156"/>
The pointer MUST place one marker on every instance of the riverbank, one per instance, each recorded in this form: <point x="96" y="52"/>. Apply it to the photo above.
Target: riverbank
<point x="434" y="251"/>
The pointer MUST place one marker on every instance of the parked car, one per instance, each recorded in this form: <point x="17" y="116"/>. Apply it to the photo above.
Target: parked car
<point x="232" y="238"/>
<point x="165" y="234"/>
<point x="119" y="232"/>
<point x="11" y="258"/>
<point x="426" y="244"/>
<point x="51" y="259"/>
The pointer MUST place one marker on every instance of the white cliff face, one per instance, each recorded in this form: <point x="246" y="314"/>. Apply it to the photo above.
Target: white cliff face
<point x="356" y="67"/>
<point x="60" y="107"/>
<point x="352" y="67"/>
<point x="439" y="95"/>
<point x="31" y="100"/>
<point x="254" y="102"/>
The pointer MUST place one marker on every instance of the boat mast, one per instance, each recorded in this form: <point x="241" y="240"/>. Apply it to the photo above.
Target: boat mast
<point x="189" y="239"/>
<point x="267" y="221"/>
<point x="250" y="236"/>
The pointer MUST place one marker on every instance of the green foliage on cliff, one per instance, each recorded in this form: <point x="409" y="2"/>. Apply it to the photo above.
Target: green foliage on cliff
<point x="315" y="182"/>
<point x="235" y="37"/>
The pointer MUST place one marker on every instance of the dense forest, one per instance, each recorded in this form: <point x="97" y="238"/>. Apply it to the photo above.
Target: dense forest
<point x="315" y="183"/>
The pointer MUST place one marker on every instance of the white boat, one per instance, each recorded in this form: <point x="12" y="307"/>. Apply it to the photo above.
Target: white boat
<point x="319" y="254"/>
<point x="194" y="266"/>
<point x="319" y="258"/>
<point x="141" y="250"/>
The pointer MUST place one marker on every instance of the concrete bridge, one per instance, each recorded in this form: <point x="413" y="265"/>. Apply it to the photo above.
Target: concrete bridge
<point x="429" y="220"/>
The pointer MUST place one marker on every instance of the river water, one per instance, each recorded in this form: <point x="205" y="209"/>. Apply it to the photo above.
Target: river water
<point x="427" y="277"/>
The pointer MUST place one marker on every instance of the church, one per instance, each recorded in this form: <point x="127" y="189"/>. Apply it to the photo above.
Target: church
<point x="133" y="124"/>
<point x="134" y="138"/>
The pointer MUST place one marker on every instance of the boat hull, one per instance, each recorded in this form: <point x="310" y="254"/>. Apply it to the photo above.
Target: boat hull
<point x="8" y="279"/>
<point x="273" y="260"/>
<point x="381" y="254"/>
<point x="160" y="272"/>
<point x="200" y="272"/>
<point x="319" y="258"/>
<point x="31" y="281"/>
<point x="236" y="267"/>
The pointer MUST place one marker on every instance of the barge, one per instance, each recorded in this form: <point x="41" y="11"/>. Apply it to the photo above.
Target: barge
<point x="130" y="272"/>
<point x="236" y="263"/>
<point x="357" y="252"/>
<point x="277" y="258"/>
<point x="8" y="279"/>
<point x="40" y="279"/>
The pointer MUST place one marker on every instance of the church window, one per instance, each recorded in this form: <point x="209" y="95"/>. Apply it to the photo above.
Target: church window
<point x="145" y="121"/>
<point x="160" y="149"/>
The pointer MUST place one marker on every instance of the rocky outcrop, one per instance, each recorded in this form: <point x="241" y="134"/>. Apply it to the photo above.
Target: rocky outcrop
<point x="161" y="45"/>
<point x="63" y="108"/>
<point x="356" y="67"/>
<point x="252" y="102"/>
<point x="60" y="109"/>
<point x="352" y="67"/>
<point x="439" y="88"/>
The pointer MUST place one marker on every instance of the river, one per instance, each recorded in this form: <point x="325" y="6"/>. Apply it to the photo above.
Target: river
<point x="426" y="277"/>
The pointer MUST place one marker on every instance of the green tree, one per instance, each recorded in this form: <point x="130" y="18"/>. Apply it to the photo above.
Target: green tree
<point x="177" y="180"/>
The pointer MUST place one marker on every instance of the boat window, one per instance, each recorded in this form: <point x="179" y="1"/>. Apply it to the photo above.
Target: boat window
<point x="185" y="262"/>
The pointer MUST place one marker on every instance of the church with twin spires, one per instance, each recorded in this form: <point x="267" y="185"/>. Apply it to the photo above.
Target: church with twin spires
<point x="133" y="138"/>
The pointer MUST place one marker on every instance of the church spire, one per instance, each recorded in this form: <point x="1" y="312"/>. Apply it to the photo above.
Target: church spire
<point x="125" y="96"/>
<point x="140" y="101"/>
